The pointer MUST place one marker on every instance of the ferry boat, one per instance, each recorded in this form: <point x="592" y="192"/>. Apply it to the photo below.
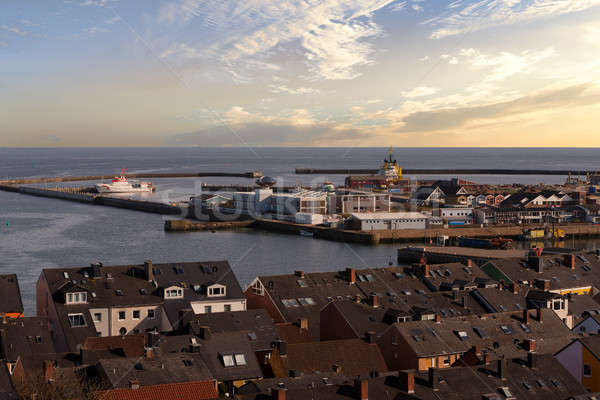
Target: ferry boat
<point x="120" y="184"/>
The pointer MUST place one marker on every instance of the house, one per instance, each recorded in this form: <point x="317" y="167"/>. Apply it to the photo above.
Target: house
<point x="582" y="359"/>
<point x="574" y="274"/>
<point x="585" y="313"/>
<point x="548" y="198"/>
<point x="127" y="346"/>
<point x="428" y="195"/>
<point x="257" y="324"/>
<point x="590" y="212"/>
<point x="441" y="342"/>
<point x="12" y="305"/>
<point x="352" y="357"/>
<point x="102" y="300"/>
<point x="535" y="377"/>
<point x="358" y="203"/>
<point x="204" y="390"/>
<point x="387" y="221"/>
<point x="300" y="297"/>
<point x="228" y="356"/>
<point x="455" y="215"/>
<point x="523" y="215"/>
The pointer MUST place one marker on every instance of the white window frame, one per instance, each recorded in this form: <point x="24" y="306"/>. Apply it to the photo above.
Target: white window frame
<point x="76" y="315"/>
<point x="76" y="298"/>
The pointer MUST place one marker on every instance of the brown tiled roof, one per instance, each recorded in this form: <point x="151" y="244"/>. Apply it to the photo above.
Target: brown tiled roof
<point x="354" y="356"/>
<point x="292" y="333"/>
<point x="28" y="338"/>
<point x="96" y="348"/>
<point x="11" y="295"/>
<point x="257" y="324"/>
<point x="204" y="390"/>
<point x="428" y="338"/>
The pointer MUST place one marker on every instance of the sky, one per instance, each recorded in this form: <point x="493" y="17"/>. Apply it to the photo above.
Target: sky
<point x="406" y="73"/>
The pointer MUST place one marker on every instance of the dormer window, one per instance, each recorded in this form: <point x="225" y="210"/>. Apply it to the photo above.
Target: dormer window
<point x="216" y="290"/>
<point x="76" y="298"/>
<point x="174" y="293"/>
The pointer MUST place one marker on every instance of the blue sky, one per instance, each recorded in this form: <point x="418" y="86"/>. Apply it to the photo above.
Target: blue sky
<point x="304" y="73"/>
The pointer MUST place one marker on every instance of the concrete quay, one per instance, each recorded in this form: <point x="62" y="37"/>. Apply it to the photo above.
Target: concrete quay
<point x="185" y="225"/>
<point x="440" y="255"/>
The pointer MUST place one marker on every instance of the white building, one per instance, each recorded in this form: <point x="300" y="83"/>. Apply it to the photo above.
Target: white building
<point x="385" y="221"/>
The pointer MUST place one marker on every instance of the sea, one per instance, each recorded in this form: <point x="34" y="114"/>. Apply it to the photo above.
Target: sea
<point x="37" y="233"/>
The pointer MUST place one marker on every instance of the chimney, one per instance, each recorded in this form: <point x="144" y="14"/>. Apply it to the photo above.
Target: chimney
<point x="477" y="350"/>
<point x="204" y="332"/>
<point x="425" y="270"/>
<point x="543" y="284"/>
<point x="469" y="263"/>
<point x="514" y="288"/>
<point x="351" y="273"/>
<point x="374" y="300"/>
<point x="278" y="393"/>
<point x="97" y="270"/>
<point x="532" y="359"/>
<point x="438" y="318"/>
<point x="371" y="337"/>
<point x="151" y="339"/>
<point x="362" y="389"/>
<point x="407" y="380"/>
<point x="134" y="384"/>
<point x="502" y="365"/>
<point x="148" y="352"/>
<point x="148" y="270"/>
<point x="48" y="371"/>
<point x="422" y="260"/>
<point x="337" y="368"/>
<point x="525" y="316"/>
<point x="530" y="345"/>
<point x="303" y="322"/>
<point x="464" y="302"/>
<point x="486" y="358"/>
<point x="281" y="346"/>
<point x="299" y="274"/>
<point x="433" y="379"/>
<point x="535" y="262"/>
<point x="540" y="315"/>
<point x="569" y="260"/>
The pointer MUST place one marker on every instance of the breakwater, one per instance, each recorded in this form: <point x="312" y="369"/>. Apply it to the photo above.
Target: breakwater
<point x="81" y="196"/>
<point x="446" y="171"/>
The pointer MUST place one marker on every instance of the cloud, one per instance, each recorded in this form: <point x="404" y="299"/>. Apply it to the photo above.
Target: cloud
<point x="51" y="139"/>
<point x="484" y="14"/>
<point x="434" y="120"/>
<point x="3" y="43"/>
<point x="112" y="20"/>
<point x="420" y="91"/>
<point x="14" y="29"/>
<point x="504" y="64"/>
<point x="332" y="34"/>
<point x="266" y="134"/>
<point x="95" y="30"/>
<point x="294" y="91"/>
<point x="399" y="6"/>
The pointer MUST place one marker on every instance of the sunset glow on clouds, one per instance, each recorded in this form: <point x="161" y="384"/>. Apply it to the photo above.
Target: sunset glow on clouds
<point x="301" y="73"/>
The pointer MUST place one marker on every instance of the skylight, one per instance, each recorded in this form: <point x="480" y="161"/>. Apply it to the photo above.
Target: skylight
<point x="301" y="283"/>
<point x="240" y="359"/>
<point x="506" y="329"/>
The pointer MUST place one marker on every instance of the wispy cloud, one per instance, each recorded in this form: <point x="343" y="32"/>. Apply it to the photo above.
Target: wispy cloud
<point x="112" y="20"/>
<point x="420" y="91"/>
<point x="331" y="33"/>
<point x="294" y="91"/>
<point x="14" y="29"/>
<point x="484" y="14"/>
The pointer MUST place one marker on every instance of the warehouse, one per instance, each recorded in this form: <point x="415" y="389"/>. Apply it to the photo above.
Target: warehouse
<point x="384" y="221"/>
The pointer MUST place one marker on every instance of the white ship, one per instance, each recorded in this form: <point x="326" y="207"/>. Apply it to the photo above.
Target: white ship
<point x="120" y="184"/>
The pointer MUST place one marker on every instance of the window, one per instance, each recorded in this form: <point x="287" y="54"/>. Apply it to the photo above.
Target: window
<point x="136" y="314"/>
<point x="76" y="298"/>
<point x="150" y="314"/>
<point x="76" y="320"/>
<point x="587" y="370"/>
<point x="306" y="301"/>
<point x="122" y="331"/>
<point x="173" y="293"/>
<point x="207" y="309"/>
<point x="240" y="359"/>
<point x="122" y="315"/>
<point x="447" y="360"/>
<point x="216" y="291"/>
<point x="228" y="360"/>
<point x="506" y="329"/>
<point x="462" y="335"/>
<point x="97" y="317"/>
<point x="290" y="303"/>
<point x="227" y="307"/>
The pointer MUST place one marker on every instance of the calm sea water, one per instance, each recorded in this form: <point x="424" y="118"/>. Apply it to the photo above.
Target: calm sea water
<point x="36" y="233"/>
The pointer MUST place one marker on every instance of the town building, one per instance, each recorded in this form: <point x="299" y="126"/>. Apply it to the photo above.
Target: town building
<point x="102" y="300"/>
<point x="455" y="215"/>
<point x="441" y="342"/>
<point x="387" y="221"/>
<point x="359" y="203"/>
<point x="12" y="305"/>
<point x="582" y="359"/>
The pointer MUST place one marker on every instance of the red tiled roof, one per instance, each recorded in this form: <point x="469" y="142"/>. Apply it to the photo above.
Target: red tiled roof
<point x="174" y="391"/>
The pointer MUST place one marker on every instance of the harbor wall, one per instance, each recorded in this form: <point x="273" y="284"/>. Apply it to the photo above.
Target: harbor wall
<point x="447" y="171"/>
